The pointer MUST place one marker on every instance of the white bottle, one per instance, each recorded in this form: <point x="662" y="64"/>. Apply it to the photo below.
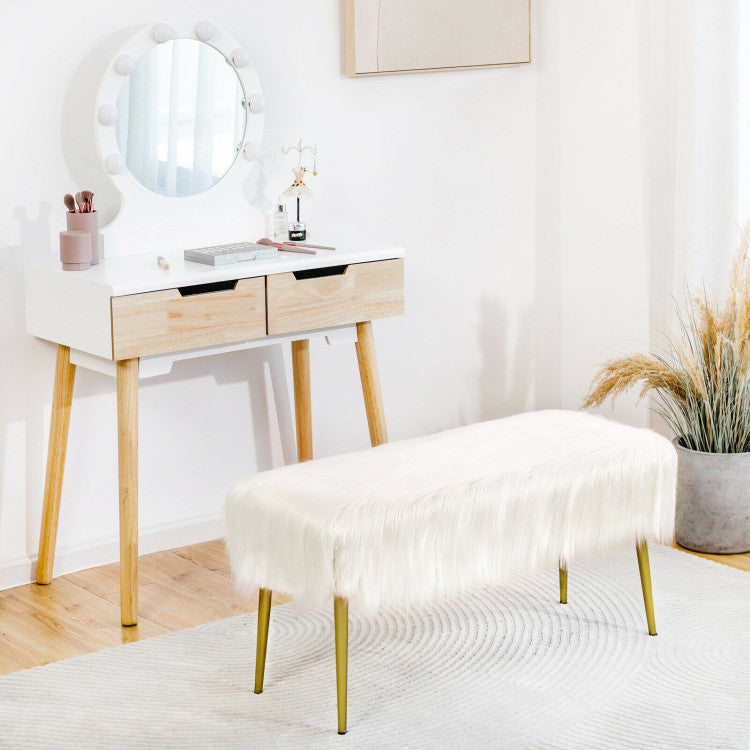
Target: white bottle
<point x="280" y="223"/>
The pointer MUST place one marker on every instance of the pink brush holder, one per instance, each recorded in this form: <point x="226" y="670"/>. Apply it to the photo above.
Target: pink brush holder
<point x="75" y="250"/>
<point x="87" y="223"/>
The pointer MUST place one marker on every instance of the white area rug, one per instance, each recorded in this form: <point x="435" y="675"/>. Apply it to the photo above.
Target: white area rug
<point x="501" y="668"/>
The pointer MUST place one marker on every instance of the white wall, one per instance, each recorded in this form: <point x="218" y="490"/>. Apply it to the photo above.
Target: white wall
<point x="524" y="264"/>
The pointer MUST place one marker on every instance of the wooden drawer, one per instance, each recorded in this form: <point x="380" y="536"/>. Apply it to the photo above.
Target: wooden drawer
<point x="305" y="300"/>
<point x="188" y="318"/>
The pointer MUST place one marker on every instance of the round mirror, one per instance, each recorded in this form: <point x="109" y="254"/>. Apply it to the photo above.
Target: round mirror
<point x="180" y="118"/>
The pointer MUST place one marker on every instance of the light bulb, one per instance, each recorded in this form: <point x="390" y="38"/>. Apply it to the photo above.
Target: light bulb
<point x="252" y="151"/>
<point x="124" y="65"/>
<point x="163" y="32"/>
<point x="256" y="103"/>
<point x="240" y="58"/>
<point x="115" y="163"/>
<point x="108" y="114"/>
<point x="204" y="30"/>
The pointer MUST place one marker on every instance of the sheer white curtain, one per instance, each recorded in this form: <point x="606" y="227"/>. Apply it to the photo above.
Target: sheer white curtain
<point x="643" y="168"/>
<point x="693" y="58"/>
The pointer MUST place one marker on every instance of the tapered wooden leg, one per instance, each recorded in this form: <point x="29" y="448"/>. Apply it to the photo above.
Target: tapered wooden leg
<point x="563" y="584"/>
<point x="62" y="399"/>
<point x="302" y="405"/>
<point x="127" y="453"/>
<point x="264" y="615"/>
<point x="368" y="373"/>
<point x="645" y="571"/>
<point x="341" y="628"/>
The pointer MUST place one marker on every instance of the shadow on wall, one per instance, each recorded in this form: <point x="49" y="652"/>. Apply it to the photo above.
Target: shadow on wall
<point x="25" y="364"/>
<point x="271" y="419"/>
<point x="27" y="367"/>
<point x="506" y="379"/>
<point x="269" y="423"/>
<point x="78" y="133"/>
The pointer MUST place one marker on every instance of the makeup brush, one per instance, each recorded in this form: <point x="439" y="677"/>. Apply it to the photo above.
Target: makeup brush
<point x="307" y="244"/>
<point x="88" y="198"/>
<point x="70" y="203"/>
<point x="270" y="243"/>
<point x="285" y="246"/>
<point x="289" y="247"/>
<point x="79" y="201"/>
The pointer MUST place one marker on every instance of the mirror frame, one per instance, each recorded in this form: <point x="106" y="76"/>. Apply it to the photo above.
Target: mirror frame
<point x="146" y="220"/>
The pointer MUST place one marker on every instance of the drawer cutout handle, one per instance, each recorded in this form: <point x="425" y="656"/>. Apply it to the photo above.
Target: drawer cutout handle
<point x="212" y="286"/>
<point x="317" y="273"/>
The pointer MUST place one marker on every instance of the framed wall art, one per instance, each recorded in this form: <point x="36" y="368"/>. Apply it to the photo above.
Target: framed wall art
<point x="394" y="36"/>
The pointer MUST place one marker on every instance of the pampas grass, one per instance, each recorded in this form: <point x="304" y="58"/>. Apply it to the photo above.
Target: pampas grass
<point x="701" y="383"/>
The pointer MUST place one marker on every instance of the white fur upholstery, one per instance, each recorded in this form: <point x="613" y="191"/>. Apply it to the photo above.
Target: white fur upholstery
<point x="423" y="518"/>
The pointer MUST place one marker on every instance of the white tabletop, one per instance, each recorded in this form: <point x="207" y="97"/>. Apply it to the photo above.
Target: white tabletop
<point x="134" y="274"/>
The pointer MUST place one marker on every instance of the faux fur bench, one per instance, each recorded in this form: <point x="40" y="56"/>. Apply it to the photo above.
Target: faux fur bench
<point x="422" y="519"/>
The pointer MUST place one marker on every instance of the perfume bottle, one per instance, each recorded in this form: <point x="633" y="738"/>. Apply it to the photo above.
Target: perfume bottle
<point x="280" y="223"/>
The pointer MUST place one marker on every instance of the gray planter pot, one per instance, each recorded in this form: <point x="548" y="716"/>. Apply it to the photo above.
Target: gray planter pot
<point x="713" y="501"/>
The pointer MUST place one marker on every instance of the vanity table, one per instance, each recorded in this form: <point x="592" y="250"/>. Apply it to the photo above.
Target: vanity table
<point x="130" y="319"/>
<point x="167" y="131"/>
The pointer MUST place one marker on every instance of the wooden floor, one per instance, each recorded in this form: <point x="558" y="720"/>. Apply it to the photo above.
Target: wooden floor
<point x="742" y="562"/>
<point x="80" y="612"/>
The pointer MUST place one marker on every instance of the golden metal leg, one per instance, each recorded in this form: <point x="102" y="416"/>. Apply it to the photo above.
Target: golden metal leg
<point x="563" y="585"/>
<point x="648" y="600"/>
<point x="341" y="628"/>
<point x="264" y="615"/>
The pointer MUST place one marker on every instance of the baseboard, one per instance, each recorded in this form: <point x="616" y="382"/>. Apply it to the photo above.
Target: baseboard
<point x="17" y="571"/>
